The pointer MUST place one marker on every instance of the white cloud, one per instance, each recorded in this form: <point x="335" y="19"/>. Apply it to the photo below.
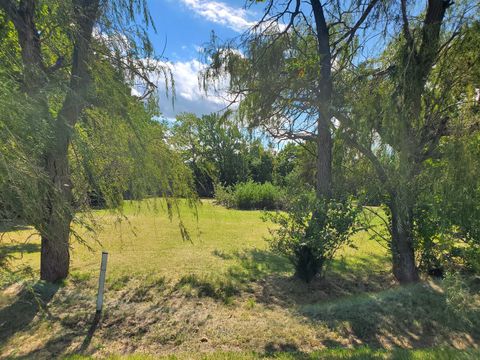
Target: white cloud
<point x="221" y="13"/>
<point x="189" y="97"/>
<point x="135" y="92"/>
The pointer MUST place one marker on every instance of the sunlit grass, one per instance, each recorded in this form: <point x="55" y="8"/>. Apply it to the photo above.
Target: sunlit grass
<point x="225" y="291"/>
<point x="362" y="353"/>
<point x="144" y="240"/>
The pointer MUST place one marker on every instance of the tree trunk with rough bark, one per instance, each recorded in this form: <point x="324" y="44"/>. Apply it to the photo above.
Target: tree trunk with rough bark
<point x="324" y="137"/>
<point x="324" y="160"/>
<point x="403" y="254"/>
<point x="55" y="253"/>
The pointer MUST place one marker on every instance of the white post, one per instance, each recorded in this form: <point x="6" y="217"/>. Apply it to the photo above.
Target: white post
<point x="101" y="282"/>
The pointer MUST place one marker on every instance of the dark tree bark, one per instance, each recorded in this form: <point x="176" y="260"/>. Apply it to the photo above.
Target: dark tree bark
<point x="324" y="136"/>
<point x="55" y="234"/>
<point x="55" y="226"/>
<point x="324" y="160"/>
<point x="403" y="253"/>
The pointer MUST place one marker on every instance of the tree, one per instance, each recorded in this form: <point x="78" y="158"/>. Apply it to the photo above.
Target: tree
<point x="283" y="74"/>
<point x="405" y="109"/>
<point x="219" y="151"/>
<point x="260" y="162"/>
<point x="56" y="44"/>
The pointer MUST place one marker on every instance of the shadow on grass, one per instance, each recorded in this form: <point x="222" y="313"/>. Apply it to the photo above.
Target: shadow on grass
<point x="91" y="331"/>
<point x="250" y="266"/>
<point x="28" y="303"/>
<point x="20" y="248"/>
<point x="12" y="225"/>
<point x="255" y="264"/>
<point x="269" y="277"/>
<point x="272" y="277"/>
<point x="412" y="316"/>
<point x="54" y="348"/>
<point x="357" y="299"/>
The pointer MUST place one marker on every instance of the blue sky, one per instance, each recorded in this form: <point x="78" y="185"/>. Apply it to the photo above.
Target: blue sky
<point x="184" y="26"/>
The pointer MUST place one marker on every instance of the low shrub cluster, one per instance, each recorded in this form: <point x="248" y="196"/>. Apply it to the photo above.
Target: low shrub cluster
<point x="311" y="230"/>
<point x="250" y="196"/>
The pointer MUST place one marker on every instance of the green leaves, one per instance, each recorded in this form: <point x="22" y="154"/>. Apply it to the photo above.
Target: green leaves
<point x="310" y="231"/>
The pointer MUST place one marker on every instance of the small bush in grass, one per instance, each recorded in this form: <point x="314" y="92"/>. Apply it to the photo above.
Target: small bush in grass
<point x="250" y="196"/>
<point x="224" y="196"/>
<point x="310" y="231"/>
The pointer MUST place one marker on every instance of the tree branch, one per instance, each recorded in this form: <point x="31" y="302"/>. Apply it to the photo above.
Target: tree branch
<point x="351" y="33"/>
<point x="406" y="26"/>
<point x="86" y="12"/>
<point x="366" y="151"/>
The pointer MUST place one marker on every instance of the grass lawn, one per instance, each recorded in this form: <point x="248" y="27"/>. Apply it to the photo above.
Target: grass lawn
<point x="224" y="294"/>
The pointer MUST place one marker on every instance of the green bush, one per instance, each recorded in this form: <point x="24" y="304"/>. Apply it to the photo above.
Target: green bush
<point x="311" y="230"/>
<point x="250" y="196"/>
<point x="224" y="196"/>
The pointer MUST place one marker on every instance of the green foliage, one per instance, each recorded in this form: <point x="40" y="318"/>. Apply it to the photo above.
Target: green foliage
<point x="310" y="231"/>
<point x="250" y="196"/>
<point x="219" y="150"/>
<point x="225" y="196"/>
<point x="416" y="121"/>
<point x="109" y="148"/>
<point x="448" y="213"/>
<point x="260" y="162"/>
<point x="285" y="163"/>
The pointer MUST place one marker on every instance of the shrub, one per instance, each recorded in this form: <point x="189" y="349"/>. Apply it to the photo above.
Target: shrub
<point x="310" y="231"/>
<point x="250" y="195"/>
<point x="443" y="247"/>
<point x="224" y="196"/>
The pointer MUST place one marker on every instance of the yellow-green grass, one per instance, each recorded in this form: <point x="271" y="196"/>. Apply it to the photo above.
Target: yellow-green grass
<point x="143" y="240"/>
<point x="362" y="353"/>
<point x="224" y="294"/>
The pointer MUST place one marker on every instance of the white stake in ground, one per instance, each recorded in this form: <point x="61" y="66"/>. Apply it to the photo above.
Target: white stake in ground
<point x="101" y="282"/>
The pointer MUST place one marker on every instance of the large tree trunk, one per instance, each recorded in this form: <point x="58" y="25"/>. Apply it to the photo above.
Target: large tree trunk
<point x="403" y="197"/>
<point x="403" y="255"/>
<point x="55" y="254"/>
<point x="324" y="137"/>
<point x="55" y="261"/>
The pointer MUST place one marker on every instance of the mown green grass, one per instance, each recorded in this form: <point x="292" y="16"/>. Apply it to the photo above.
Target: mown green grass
<point x="362" y="353"/>
<point x="222" y="291"/>
<point x="143" y="240"/>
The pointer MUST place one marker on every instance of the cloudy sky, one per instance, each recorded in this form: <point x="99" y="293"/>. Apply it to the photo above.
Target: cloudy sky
<point x="183" y="27"/>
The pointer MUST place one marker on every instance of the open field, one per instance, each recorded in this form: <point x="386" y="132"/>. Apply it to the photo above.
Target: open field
<point x="224" y="291"/>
